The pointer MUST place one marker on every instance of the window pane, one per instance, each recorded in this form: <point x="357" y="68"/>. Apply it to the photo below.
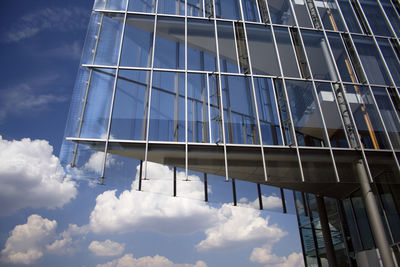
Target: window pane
<point x="226" y="40"/>
<point x="300" y="8"/>
<point x="130" y="105"/>
<point x="201" y="49"/>
<point x="97" y="111"/>
<point x="250" y="10"/>
<point x="170" y="43"/>
<point x="318" y="55"/>
<point x="138" y="41"/>
<point x="262" y="50"/>
<point x="110" y="39"/>
<point x="349" y="16"/>
<point x="286" y="52"/>
<point x="116" y="4"/>
<point x="330" y="15"/>
<point x="167" y="114"/>
<point x="227" y="9"/>
<point x="198" y="107"/>
<point x="215" y="111"/>
<point x="239" y="111"/>
<point x="267" y="110"/>
<point x="392" y="15"/>
<point x="372" y="62"/>
<point x="305" y="113"/>
<point x="366" y="117"/>
<point x="375" y="17"/>
<point x="388" y="114"/>
<point x="147" y="6"/>
<point x="281" y="12"/>
<point x="195" y="8"/>
<point x="331" y="114"/>
<point x="173" y="7"/>
<point x="390" y="59"/>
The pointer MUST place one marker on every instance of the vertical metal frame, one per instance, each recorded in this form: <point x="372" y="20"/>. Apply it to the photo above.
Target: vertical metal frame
<point x="387" y="18"/>
<point x="236" y="46"/>
<point x="186" y="101"/>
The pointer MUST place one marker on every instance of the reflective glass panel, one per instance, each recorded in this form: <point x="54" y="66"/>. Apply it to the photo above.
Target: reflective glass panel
<point x="227" y="9"/>
<point x="267" y="112"/>
<point x="303" y="18"/>
<point x="167" y="114"/>
<point x="120" y="171"/>
<point x="215" y="111"/>
<point x="375" y="17"/>
<point x="349" y="16"/>
<point x="116" y="4"/>
<point x="246" y="194"/>
<point x="195" y="8"/>
<point x="130" y="105"/>
<point x="97" y="110"/>
<point x="372" y="62"/>
<point x="262" y="51"/>
<point x="322" y="65"/>
<point x="330" y="15"/>
<point x="284" y="112"/>
<point x="286" y="52"/>
<point x="173" y="7"/>
<point x="341" y="58"/>
<point x="138" y="41"/>
<point x="198" y="108"/>
<point x="392" y="15"/>
<point x="147" y="6"/>
<point x="366" y="117"/>
<point x="389" y="115"/>
<point x="390" y="59"/>
<point x="110" y="38"/>
<point x="281" y="12"/>
<point x="239" y="111"/>
<point x="333" y="121"/>
<point x="201" y="50"/>
<point x="250" y="10"/>
<point x="226" y="40"/>
<point x="305" y="113"/>
<point x="170" y="43"/>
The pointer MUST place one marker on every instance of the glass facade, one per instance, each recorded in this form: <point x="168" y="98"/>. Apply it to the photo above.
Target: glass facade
<point x="286" y="93"/>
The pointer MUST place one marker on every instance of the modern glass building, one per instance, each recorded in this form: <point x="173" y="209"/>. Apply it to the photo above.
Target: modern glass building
<point x="242" y="95"/>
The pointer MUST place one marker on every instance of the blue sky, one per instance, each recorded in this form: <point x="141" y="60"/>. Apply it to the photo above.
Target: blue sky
<point x="49" y="220"/>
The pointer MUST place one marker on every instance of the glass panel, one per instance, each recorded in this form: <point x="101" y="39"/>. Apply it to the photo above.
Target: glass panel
<point x="247" y="194"/>
<point x="349" y="16"/>
<point x="341" y="58"/>
<point x="206" y="159"/>
<point x="227" y="9"/>
<point x="91" y="38"/>
<point x="116" y="4"/>
<point x="215" y="111"/>
<point x="110" y="39"/>
<point x="362" y="222"/>
<point x="345" y="166"/>
<point x="130" y="105"/>
<point x="138" y="41"/>
<point x="389" y="115"/>
<point x="192" y="187"/>
<point x="372" y="62"/>
<point x="392" y="15"/>
<point x="250" y="10"/>
<point x="120" y="171"/>
<point x="375" y="17"/>
<point x="321" y="63"/>
<point x="195" y="8"/>
<point x="271" y="198"/>
<point x="167" y="121"/>
<point x="284" y="112"/>
<point x="201" y="51"/>
<point x="286" y="52"/>
<point x="147" y="6"/>
<point x="197" y="108"/>
<point x="300" y="8"/>
<point x="366" y="117"/>
<point x="173" y="7"/>
<point x="281" y="12"/>
<point x="262" y="51"/>
<point x="390" y="59"/>
<point x="226" y="40"/>
<point x="391" y="211"/>
<point x="245" y="163"/>
<point x="170" y="43"/>
<point x="267" y="110"/>
<point x="239" y="110"/>
<point x="317" y="166"/>
<point x="330" y="15"/>
<point x="383" y="167"/>
<point x="305" y="113"/>
<point x="282" y="165"/>
<point x="332" y="117"/>
<point x="97" y="111"/>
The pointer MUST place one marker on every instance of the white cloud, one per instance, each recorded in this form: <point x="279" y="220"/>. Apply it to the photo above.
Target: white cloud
<point x="95" y="162"/>
<point x="31" y="176"/>
<point x="107" y="248"/>
<point x="27" y="241"/>
<point x="157" y="261"/>
<point x="66" y="243"/>
<point x="263" y="255"/>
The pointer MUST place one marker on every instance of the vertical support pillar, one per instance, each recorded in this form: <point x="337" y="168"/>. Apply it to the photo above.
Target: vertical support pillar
<point x="326" y="233"/>
<point x="374" y="217"/>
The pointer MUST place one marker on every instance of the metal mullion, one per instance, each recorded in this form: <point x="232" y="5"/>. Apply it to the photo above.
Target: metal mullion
<point x="209" y="109"/>
<point x="294" y="53"/>
<point x="150" y="90"/>
<point x="236" y="48"/>
<point x="277" y="111"/>
<point x="99" y="66"/>
<point x="387" y="19"/>
<point x="204" y="8"/>
<point x="186" y="100"/>
<point x="220" y="92"/>
<point x="113" y="94"/>
<point x="348" y="59"/>
<point x="341" y="16"/>
<point x="258" y="12"/>
<point x="254" y="96"/>
<point x="355" y="15"/>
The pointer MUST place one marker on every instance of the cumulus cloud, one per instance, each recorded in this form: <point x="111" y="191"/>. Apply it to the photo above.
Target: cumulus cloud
<point x="95" y="162"/>
<point x="157" y="261"/>
<point x="67" y="242"/>
<point x="27" y="241"/>
<point x="107" y="248"/>
<point x="264" y="256"/>
<point x="31" y="176"/>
